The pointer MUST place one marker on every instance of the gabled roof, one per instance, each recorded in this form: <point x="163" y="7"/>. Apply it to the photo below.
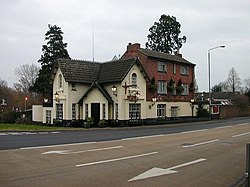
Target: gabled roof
<point x="79" y="71"/>
<point x="115" y="71"/>
<point x="164" y="56"/>
<point x="101" y="89"/>
<point x="90" y="72"/>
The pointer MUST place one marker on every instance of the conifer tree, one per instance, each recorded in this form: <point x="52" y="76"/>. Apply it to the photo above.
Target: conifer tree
<point x="54" y="49"/>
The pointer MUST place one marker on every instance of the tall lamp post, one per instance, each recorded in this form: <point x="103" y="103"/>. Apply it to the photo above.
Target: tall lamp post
<point x="209" y="77"/>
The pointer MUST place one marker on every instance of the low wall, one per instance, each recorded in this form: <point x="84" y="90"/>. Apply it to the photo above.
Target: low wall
<point x="231" y="111"/>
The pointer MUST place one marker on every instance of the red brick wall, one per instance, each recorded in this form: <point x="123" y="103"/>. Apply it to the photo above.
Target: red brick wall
<point x="151" y="67"/>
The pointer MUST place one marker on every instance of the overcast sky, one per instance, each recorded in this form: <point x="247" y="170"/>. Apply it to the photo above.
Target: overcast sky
<point x="205" y="23"/>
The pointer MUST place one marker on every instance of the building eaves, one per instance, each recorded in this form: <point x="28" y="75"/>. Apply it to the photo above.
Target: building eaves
<point x="101" y="89"/>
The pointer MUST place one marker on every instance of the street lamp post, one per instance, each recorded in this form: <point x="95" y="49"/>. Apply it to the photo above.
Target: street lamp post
<point x="209" y="77"/>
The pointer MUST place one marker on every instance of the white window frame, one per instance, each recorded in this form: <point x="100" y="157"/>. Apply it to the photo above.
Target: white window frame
<point x="60" y="81"/>
<point x="174" y="68"/>
<point x="162" y="87"/>
<point x="161" y="110"/>
<point x="134" y="111"/>
<point x="185" y="89"/>
<point x="184" y="70"/>
<point x="86" y="110"/>
<point x="116" y="110"/>
<point x="73" y="110"/>
<point x="48" y="116"/>
<point x="134" y="79"/>
<point x="59" y="111"/>
<point x="162" y="66"/>
<point x="103" y="111"/>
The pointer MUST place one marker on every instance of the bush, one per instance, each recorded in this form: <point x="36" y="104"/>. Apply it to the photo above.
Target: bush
<point x="102" y="123"/>
<point x="9" y="117"/>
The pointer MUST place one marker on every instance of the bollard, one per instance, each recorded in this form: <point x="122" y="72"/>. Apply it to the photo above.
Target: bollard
<point x="248" y="165"/>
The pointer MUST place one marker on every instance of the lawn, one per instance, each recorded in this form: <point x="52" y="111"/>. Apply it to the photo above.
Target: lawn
<point x="20" y="127"/>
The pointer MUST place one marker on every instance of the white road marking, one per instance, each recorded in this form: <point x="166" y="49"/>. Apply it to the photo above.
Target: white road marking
<point x="223" y="127"/>
<point x="43" y="133"/>
<point x="243" y="134"/>
<point x="202" y="143"/>
<point x="67" y="152"/>
<point x="243" y="124"/>
<point x="3" y="134"/>
<point x="155" y="172"/>
<point x="142" y="137"/>
<point x="116" y="159"/>
<point x="185" y="132"/>
<point x="60" y="145"/>
<point x="55" y="132"/>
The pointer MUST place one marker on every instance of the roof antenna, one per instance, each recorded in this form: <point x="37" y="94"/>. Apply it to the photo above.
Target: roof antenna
<point x="93" y="41"/>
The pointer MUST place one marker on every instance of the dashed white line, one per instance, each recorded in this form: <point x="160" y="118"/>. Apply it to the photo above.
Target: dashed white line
<point x="185" y="132"/>
<point x="223" y="127"/>
<point x="243" y="134"/>
<point x="60" y="145"/>
<point x="142" y="137"/>
<point x="202" y="143"/>
<point x="116" y="159"/>
<point x="242" y="124"/>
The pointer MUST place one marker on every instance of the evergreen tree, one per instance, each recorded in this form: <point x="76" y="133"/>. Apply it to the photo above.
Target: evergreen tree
<point x="54" y="49"/>
<point x="164" y="35"/>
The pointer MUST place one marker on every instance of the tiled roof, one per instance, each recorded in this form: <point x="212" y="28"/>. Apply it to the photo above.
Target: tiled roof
<point x="165" y="56"/>
<point x="115" y="71"/>
<point x="90" y="72"/>
<point x="79" y="71"/>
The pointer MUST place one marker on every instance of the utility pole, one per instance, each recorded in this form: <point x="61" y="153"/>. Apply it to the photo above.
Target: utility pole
<point x="248" y="165"/>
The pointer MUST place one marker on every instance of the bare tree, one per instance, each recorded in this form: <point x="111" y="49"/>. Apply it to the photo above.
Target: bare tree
<point x="233" y="81"/>
<point x="247" y="84"/>
<point x="27" y="75"/>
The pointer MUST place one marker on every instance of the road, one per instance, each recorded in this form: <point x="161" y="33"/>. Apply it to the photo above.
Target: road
<point x="191" y="155"/>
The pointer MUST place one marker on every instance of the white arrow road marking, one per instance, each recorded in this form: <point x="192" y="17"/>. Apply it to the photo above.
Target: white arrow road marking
<point x="155" y="172"/>
<point x="116" y="159"/>
<point x="67" y="152"/>
<point x="202" y="143"/>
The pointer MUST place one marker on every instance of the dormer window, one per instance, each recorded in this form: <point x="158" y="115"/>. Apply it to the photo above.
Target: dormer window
<point x="60" y="81"/>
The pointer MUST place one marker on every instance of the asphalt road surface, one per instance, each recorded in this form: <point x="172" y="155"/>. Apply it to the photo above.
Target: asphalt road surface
<point x="208" y="154"/>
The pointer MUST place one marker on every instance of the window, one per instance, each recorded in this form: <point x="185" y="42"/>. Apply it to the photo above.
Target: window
<point x="48" y="116"/>
<point x="161" y="110"/>
<point x="174" y="68"/>
<point x="162" y="67"/>
<point x="174" y="111"/>
<point x="59" y="111"/>
<point x="185" y="89"/>
<point x="184" y="70"/>
<point x="73" y="86"/>
<point x="162" y="87"/>
<point x="103" y="111"/>
<point x="73" y="111"/>
<point x="116" y="111"/>
<point x="134" y="111"/>
<point x="134" y="79"/>
<point x="60" y="81"/>
<point x="86" y="111"/>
